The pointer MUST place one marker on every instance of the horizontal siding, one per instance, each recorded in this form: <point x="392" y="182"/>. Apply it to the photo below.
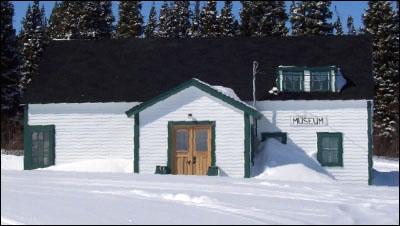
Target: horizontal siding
<point x="348" y="117"/>
<point x="229" y="130"/>
<point x="87" y="131"/>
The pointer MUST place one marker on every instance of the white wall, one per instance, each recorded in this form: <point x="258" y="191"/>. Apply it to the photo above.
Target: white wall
<point x="349" y="117"/>
<point x="88" y="130"/>
<point x="229" y="129"/>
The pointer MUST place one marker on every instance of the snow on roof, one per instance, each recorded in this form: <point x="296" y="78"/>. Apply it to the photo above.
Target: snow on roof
<point x="227" y="92"/>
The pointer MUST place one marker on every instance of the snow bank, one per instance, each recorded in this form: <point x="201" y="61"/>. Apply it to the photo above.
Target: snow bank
<point x="12" y="162"/>
<point x="386" y="172"/>
<point x="96" y="165"/>
<point x="277" y="161"/>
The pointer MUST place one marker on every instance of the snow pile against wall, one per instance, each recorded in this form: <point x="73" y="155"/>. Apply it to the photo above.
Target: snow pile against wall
<point x="277" y="161"/>
<point x="96" y="165"/>
<point x="12" y="162"/>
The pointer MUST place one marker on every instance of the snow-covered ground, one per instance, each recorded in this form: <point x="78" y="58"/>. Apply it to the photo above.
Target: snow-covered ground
<point x="279" y="194"/>
<point x="52" y="197"/>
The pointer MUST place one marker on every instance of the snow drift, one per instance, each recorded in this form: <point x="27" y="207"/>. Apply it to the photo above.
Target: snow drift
<point x="277" y="161"/>
<point x="96" y="165"/>
<point x="12" y="162"/>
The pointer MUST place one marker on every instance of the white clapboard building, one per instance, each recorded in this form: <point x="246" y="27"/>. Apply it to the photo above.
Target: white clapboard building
<point x="201" y="106"/>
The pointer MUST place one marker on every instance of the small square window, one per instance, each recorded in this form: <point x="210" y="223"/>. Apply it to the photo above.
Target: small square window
<point x="320" y="81"/>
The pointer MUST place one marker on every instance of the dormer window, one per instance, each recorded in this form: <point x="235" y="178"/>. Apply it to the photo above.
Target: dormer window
<point x="305" y="79"/>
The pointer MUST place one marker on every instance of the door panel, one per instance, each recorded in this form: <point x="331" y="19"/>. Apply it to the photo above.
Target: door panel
<point x="42" y="146"/>
<point x="192" y="149"/>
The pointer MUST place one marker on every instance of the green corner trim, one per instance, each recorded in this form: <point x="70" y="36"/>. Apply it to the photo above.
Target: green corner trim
<point x="370" y="143"/>
<point x="196" y="83"/>
<point x="136" y="144"/>
<point x="171" y="124"/>
<point x="247" y="145"/>
<point x="340" y="154"/>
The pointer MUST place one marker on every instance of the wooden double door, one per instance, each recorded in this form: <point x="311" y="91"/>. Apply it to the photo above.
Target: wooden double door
<point x="192" y="149"/>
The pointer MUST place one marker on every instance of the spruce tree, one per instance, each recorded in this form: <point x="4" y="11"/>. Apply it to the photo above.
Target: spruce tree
<point x="311" y="18"/>
<point x="281" y="17"/>
<point x="297" y="18"/>
<point x="209" y="21"/>
<point x="10" y="61"/>
<point x="195" y="29"/>
<point x="245" y="18"/>
<point x="226" y="20"/>
<point x="130" y="22"/>
<point x="180" y="23"/>
<point x="317" y="16"/>
<point x="71" y="24"/>
<point x="351" y="30"/>
<point x="338" y="24"/>
<point x="164" y="21"/>
<point x="32" y="42"/>
<point x="151" y="27"/>
<point x="55" y="29"/>
<point x="380" y="22"/>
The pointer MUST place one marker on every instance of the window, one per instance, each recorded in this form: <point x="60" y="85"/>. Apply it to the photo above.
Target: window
<point x="330" y="149"/>
<point x="320" y="81"/>
<point x="40" y="150"/>
<point x="292" y="81"/>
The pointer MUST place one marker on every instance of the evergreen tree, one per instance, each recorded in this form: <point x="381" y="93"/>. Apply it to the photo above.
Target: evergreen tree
<point x="180" y="23"/>
<point x="72" y="19"/>
<point x="311" y="18"/>
<point x="165" y="21"/>
<point x="317" y="16"/>
<point x="10" y="62"/>
<point x="226" y="20"/>
<point x="151" y="27"/>
<point x="55" y="30"/>
<point x="380" y="23"/>
<point x="209" y="21"/>
<point x="32" y="42"/>
<point x="130" y="23"/>
<point x="351" y="30"/>
<point x="245" y="18"/>
<point x="338" y="23"/>
<point x="297" y="18"/>
<point x="236" y="28"/>
<point x="195" y="29"/>
<point x="281" y="17"/>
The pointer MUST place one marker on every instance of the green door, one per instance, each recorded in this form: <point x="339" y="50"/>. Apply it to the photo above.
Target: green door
<point x="39" y="152"/>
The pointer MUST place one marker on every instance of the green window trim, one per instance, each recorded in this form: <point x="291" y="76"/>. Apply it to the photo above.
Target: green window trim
<point x="198" y="84"/>
<point x="302" y="69"/>
<point x="170" y="149"/>
<point x="28" y="130"/>
<point x="339" y="136"/>
<point x="281" y="135"/>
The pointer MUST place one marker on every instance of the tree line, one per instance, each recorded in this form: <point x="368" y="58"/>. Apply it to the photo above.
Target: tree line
<point x="94" y="20"/>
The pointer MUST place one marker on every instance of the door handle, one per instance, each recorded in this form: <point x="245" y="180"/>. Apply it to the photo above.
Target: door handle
<point x="188" y="162"/>
<point x="194" y="160"/>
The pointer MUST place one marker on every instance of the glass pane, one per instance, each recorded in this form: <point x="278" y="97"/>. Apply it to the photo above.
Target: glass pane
<point x="34" y="136"/>
<point x="40" y="137"/>
<point x="182" y="140"/>
<point x="293" y="81"/>
<point x="320" y="81"/>
<point x="46" y="140"/>
<point x="201" y="139"/>
<point x="325" y="142"/>
<point x="334" y="143"/>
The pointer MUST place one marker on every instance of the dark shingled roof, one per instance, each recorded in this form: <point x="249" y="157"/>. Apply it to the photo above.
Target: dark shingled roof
<point x="139" y="69"/>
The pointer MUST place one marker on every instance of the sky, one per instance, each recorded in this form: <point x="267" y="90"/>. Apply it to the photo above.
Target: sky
<point x="345" y="8"/>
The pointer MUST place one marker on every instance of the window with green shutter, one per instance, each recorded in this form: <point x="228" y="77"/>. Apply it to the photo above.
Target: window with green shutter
<point x="330" y="149"/>
<point x="40" y="150"/>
